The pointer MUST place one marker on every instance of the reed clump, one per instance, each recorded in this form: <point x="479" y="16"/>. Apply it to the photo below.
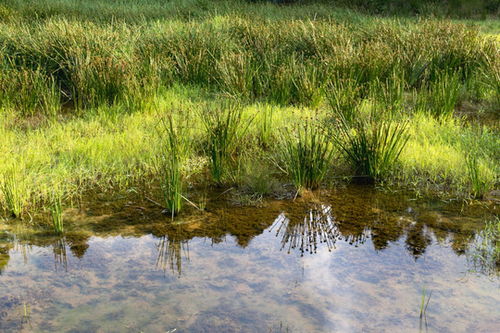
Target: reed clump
<point x="479" y="183"/>
<point x="370" y="143"/>
<point x="306" y="155"/>
<point x="56" y="213"/>
<point x="14" y="192"/>
<point x="224" y="129"/>
<point x="88" y="64"/>
<point x="175" y="147"/>
<point x="440" y="97"/>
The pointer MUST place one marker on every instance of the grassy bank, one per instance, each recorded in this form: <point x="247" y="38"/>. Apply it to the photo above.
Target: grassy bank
<point x="85" y="100"/>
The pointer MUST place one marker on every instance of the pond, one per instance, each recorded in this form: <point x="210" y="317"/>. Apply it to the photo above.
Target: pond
<point x="350" y="260"/>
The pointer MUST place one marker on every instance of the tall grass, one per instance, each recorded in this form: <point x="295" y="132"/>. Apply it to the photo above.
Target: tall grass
<point x="306" y="155"/>
<point x="441" y="96"/>
<point x="175" y="145"/>
<point x="478" y="183"/>
<point x="84" y="64"/>
<point x="29" y="92"/>
<point x="224" y="129"/>
<point x="265" y="122"/>
<point x="57" y="213"/>
<point x="14" y="192"/>
<point x="491" y="76"/>
<point x="371" y="144"/>
<point x="344" y="96"/>
<point x="388" y="94"/>
<point x="455" y="8"/>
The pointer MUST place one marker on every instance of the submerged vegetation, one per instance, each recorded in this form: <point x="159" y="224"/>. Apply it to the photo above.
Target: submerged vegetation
<point x="485" y="249"/>
<point x="394" y="100"/>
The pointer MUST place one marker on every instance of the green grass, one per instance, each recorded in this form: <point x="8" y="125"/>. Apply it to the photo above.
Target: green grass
<point x="83" y="86"/>
<point x="426" y="298"/>
<point x="306" y="155"/>
<point x="224" y="128"/>
<point x="440" y="97"/>
<point x="371" y="142"/>
<point x="56" y="212"/>
<point x="14" y="192"/>
<point x="479" y="185"/>
<point x="119" y="152"/>
<point x="71" y="61"/>
<point x="435" y="156"/>
<point x="175" y="147"/>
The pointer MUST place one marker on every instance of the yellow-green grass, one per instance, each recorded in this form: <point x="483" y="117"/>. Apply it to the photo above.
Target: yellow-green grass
<point x="436" y="154"/>
<point x="98" y="152"/>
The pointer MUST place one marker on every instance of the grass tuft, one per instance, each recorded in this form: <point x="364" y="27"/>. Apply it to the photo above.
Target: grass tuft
<point x="479" y="184"/>
<point x="57" y="213"/>
<point x="14" y="193"/>
<point x="370" y="144"/>
<point x="224" y="128"/>
<point x="440" y="97"/>
<point x="306" y="155"/>
<point x="175" y="145"/>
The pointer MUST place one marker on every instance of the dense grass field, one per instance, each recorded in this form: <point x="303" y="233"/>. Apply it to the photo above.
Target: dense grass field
<point x="167" y="98"/>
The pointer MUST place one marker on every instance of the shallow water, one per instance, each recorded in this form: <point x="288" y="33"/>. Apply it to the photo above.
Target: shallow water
<point x="349" y="261"/>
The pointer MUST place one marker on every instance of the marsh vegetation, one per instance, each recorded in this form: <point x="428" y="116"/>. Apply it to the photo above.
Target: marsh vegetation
<point x="170" y="99"/>
<point x="289" y="165"/>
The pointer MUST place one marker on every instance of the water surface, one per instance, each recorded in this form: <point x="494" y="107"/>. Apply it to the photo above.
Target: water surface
<point x="349" y="261"/>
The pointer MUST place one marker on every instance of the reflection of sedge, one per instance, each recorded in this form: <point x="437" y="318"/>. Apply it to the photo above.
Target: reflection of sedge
<point x="318" y="226"/>
<point x="170" y="254"/>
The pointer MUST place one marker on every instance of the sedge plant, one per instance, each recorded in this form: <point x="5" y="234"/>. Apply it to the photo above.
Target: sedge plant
<point x="224" y="128"/>
<point x="479" y="185"/>
<point x="56" y="213"/>
<point x="14" y="192"/>
<point x="371" y="143"/>
<point x="306" y="155"/>
<point x="175" y="145"/>
<point x="440" y="96"/>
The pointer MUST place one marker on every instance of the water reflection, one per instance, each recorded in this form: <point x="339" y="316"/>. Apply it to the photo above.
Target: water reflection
<point x="301" y="227"/>
<point x="318" y="227"/>
<point x="171" y="252"/>
<point x="60" y="256"/>
<point x="10" y="243"/>
<point x="4" y="255"/>
<point x="266" y="269"/>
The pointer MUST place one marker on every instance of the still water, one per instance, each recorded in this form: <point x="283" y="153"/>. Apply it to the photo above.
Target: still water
<point x="349" y="261"/>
